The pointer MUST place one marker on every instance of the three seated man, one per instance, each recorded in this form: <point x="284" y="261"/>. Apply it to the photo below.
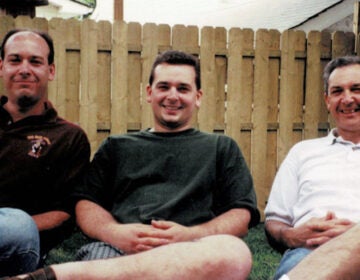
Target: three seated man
<point x="170" y="201"/>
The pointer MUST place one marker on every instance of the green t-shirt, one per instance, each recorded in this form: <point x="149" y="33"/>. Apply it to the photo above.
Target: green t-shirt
<point x="187" y="177"/>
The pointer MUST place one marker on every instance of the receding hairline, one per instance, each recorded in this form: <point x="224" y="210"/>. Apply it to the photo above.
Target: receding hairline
<point x="25" y="33"/>
<point x="20" y="31"/>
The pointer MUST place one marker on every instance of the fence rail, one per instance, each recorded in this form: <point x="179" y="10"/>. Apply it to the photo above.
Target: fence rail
<point x="263" y="88"/>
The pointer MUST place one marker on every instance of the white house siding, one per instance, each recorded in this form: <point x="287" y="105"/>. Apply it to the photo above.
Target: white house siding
<point x="63" y="9"/>
<point x="269" y="14"/>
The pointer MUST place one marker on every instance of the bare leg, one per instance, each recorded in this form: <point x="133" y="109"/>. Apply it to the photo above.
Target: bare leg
<point x="213" y="257"/>
<point x="336" y="259"/>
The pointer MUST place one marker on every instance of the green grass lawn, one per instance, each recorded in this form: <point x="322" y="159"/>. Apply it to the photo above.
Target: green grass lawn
<point x="265" y="259"/>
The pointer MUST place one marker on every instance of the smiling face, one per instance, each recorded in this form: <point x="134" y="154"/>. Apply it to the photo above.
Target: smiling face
<point x="343" y="101"/>
<point x="25" y="70"/>
<point x="173" y="96"/>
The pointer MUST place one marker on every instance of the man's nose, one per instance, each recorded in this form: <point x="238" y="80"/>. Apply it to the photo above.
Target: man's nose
<point x="173" y="93"/>
<point x="24" y="67"/>
<point x="347" y="97"/>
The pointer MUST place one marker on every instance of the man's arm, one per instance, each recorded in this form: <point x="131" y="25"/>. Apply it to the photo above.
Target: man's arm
<point x="279" y="235"/>
<point x="311" y="234"/>
<point x="234" y="222"/>
<point x="96" y="222"/>
<point x="76" y="164"/>
<point x="50" y="220"/>
<point x="99" y="224"/>
<point x="93" y="219"/>
<point x="282" y="236"/>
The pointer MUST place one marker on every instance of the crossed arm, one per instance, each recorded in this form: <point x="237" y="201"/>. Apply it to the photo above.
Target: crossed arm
<point x="311" y="234"/>
<point x="50" y="220"/>
<point x="136" y="237"/>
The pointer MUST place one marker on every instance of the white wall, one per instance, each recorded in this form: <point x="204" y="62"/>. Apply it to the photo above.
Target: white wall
<point x="104" y="10"/>
<point x="255" y="14"/>
<point x="62" y="9"/>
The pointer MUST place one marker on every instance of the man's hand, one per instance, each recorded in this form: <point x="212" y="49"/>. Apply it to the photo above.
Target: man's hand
<point x="316" y="231"/>
<point x="135" y="238"/>
<point x="175" y="232"/>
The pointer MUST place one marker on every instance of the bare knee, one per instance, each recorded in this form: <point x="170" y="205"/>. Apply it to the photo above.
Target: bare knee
<point x="230" y="257"/>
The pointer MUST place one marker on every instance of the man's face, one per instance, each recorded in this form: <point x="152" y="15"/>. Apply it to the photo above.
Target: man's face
<point x="173" y="97"/>
<point x="343" y="99"/>
<point x="25" y="69"/>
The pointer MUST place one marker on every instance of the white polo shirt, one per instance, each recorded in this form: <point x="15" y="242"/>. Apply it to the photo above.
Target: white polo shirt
<point x="317" y="176"/>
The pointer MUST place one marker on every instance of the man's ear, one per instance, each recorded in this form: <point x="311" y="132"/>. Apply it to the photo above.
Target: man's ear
<point x="326" y="99"/>
<point x="51" y="72"/>
<point x="148" y="93"/>
<point x="198" y="98"/>
<point x="1" y="67"/>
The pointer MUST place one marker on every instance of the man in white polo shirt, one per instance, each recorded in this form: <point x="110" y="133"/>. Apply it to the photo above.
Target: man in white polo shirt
<point x="316" y="193"/>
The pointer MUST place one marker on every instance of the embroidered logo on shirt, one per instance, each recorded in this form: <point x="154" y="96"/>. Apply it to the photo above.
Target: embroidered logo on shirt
<point x="38" y="143"/>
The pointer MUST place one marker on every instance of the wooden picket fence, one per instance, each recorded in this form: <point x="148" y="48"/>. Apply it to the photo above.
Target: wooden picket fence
<point x="262" y="88"/>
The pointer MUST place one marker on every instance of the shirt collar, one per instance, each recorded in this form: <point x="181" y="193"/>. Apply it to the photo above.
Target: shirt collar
<point x="49" y="115"/>
<point x="334" y="138"/>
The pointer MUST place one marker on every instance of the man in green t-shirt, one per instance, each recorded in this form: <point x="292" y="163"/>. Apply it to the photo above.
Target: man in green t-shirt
<point x="169" y="183"/>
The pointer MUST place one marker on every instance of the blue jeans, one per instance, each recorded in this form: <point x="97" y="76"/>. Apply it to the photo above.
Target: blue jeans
<point x="290" y="259"/>
<point x="19" y="242"/>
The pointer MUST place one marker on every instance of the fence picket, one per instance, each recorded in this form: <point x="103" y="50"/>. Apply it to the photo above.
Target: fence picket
<point x="88" y="80"/>
<point x="119" y="85"/>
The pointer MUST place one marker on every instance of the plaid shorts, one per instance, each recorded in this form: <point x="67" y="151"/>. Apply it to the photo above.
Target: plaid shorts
<point x="98" y="250"/>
